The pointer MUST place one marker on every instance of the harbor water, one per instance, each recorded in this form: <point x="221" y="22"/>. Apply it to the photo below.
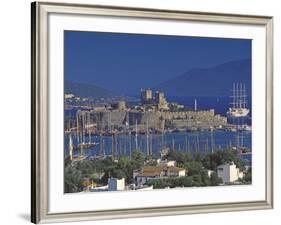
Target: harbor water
<point x="202" y="142"/>
<point x="193" y="142"/>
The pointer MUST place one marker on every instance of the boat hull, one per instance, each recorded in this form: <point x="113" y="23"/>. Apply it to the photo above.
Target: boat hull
<point x="238" y="112"/>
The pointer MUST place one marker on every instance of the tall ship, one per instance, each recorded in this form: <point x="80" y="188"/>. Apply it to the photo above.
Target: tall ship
<point x="239" y="101"/>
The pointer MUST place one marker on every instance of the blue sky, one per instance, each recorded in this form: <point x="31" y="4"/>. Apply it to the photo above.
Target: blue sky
<point x="114" y="60"/>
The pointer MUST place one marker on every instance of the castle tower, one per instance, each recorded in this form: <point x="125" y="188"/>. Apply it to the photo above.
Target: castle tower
<point x="146" y="96"/>
<point x="161" y="100"/>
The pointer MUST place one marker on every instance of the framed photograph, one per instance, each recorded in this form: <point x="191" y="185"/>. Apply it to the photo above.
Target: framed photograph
<point x="146" y="112"/>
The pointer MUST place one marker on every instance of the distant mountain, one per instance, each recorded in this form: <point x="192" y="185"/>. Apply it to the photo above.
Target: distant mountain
<point x="213" y="81"/>
<point x="87" y="90"/>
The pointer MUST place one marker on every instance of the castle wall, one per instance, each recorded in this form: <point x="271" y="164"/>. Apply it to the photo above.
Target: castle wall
<point x="157" y="120"/>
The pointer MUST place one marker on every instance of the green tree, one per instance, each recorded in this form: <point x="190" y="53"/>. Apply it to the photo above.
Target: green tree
<point x="125" y="165"/>
<point x="198" y="157"/>
<point x="137" y="159"/>
<point x="211" y="161"/>
<point x="193" y="168"/>
<point x="205" y="180"/>
<point x="215" y="180"/>
<point x="73" y="180"/>
<point x="179" y="157"/>
<point x="157" y="183"/>
<point x="196" y="180"/>
<point x="186" y="181"/>
<point x="247" y="178"/>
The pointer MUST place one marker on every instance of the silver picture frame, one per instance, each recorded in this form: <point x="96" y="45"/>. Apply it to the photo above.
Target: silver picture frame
<point x="40" y="106"/>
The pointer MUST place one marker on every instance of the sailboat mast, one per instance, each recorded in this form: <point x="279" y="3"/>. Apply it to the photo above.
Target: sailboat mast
<point x="77" y="128"/>
<point x="101" y="151"/>
<point x="83" y="139"/>
<point x="241" y="96"/>
<point x="242" y="137"/>
<point x="185" y="143"/>
<point x="207" y="145"/>
<point x="212" y="141"/>
<point x="112" y="144"/>
<point x="238" y="145"/>
<point x="197" y="143"/>
<point x="115" y="146"/>
<point x="70" y="147"/>
<point x="84" y="127"/>
<point x="147" y="139"/>
<point x="244" y="96"/>
<point x="89" y="130"/>
<point x="90" y="141"/>
<point x="150" y="151"/>
<point x="236" y="96"/>
<point x="130" y="144"/>
<point x="129" y="132"/>
<point x="136" y="135"/>
<point x="233" y="96"/>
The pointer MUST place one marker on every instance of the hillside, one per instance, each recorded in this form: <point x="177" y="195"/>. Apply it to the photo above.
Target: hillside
<point x="88" y="90"/>
<point x="213" y="81"/>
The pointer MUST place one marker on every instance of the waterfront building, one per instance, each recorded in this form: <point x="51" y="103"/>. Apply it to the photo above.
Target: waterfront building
<point x="103" y="118"/>
<point x="147" y="173"/>
<point x="229" y="173"/>
<point x="155" y="110"/>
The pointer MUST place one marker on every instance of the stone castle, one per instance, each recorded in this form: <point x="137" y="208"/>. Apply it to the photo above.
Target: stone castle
<point x="152" y="113"/>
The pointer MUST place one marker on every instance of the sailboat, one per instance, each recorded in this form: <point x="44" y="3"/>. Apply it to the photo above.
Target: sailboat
<point x="239" y="103"/>
<point x="71" y="148"/>
<point x="82" y="144"/>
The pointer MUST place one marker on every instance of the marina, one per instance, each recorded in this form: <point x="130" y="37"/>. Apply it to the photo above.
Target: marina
<point x="192" y="142"/>
<point x="151" y="126"/>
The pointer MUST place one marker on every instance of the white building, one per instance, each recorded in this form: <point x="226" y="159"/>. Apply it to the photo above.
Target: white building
<point x="147" y="173"/>
<point x="166" y="162"/>
<point x="229" y="173"/>
<point x="115" y="184"/>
